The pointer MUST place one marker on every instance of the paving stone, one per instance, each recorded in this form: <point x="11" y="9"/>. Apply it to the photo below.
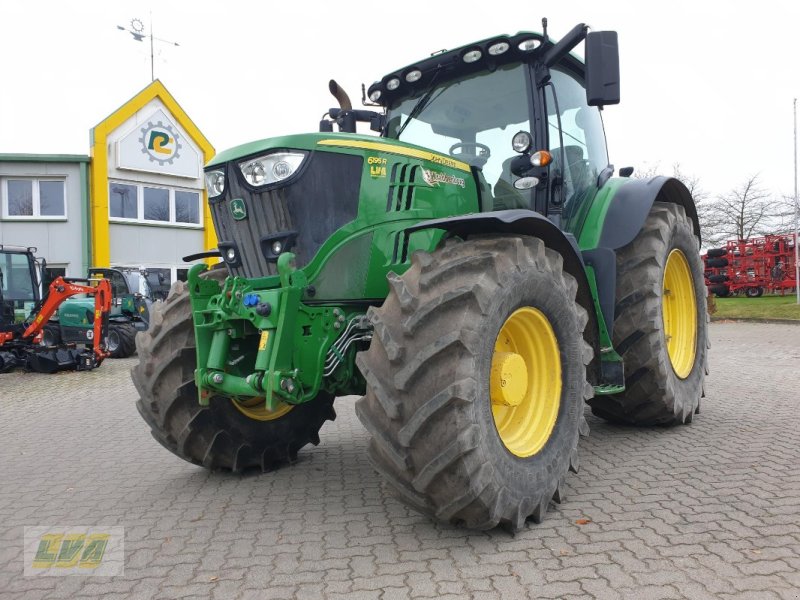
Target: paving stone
<point x="699" y="512"/>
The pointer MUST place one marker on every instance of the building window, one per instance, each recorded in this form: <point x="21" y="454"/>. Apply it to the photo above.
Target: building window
<point x="50" y="274"/>
<point x="187" y="207"/>
<point x="156" y="204"/>
<point x="123" y="203"/>
<point x="148" y="204"/>
<point x="34" y="199"/>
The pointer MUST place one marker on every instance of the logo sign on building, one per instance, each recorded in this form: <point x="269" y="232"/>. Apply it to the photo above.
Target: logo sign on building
<point x="161" y="143"/>
<point x="59" y="550"/>
<point x="158" y="145"/>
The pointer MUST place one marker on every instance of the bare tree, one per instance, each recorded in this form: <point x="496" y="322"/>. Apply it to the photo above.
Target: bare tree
<point x="747" y="210"/>
<point x="784" y="216"/>
<point x="710" y="221"/>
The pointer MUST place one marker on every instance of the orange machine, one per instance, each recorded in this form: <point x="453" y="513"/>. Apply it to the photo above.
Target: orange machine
<point x="20" y="344"/>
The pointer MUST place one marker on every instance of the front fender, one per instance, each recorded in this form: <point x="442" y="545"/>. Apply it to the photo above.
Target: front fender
<point x="526" y="222"/>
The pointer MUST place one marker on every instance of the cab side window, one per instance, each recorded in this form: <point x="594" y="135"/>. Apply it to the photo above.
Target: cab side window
<point x="577" y="140"/>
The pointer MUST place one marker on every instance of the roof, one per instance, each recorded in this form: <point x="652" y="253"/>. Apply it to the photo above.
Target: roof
<point x="45" y="158"/>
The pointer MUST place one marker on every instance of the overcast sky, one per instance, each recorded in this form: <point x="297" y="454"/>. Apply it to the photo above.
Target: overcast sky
<point x="706" y="84"/>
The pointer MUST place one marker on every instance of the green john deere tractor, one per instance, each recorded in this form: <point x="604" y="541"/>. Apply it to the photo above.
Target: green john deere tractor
<point x="476" y="273"/>
<point x="130" y="312"/>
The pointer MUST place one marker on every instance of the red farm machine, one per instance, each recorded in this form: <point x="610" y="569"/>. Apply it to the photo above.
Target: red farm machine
<point x="752" y="267"/>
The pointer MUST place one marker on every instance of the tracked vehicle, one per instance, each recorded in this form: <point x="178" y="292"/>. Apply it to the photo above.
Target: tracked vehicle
<point x="475" y="272"/>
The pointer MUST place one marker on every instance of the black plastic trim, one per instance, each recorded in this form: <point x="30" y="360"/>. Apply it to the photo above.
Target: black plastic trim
<point x="632" y="203"/>
<point x="202" y="255"/>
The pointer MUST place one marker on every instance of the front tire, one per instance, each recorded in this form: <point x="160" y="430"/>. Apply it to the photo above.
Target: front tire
<point x="660" y="324"/>
<point x="473" y="337"/>
<point x="222" y="435"/>
<point x="754" y="292"/>
<point x="121" y="340"/>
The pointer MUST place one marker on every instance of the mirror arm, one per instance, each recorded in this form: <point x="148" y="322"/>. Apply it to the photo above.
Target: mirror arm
<point x="576" y="35"/>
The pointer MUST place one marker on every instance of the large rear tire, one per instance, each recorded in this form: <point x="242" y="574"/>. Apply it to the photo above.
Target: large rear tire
<point x="121" y="340"/>
<point x="476" y="382"/>
<point x="223" y="435"/>
<point x="660" y="324"/>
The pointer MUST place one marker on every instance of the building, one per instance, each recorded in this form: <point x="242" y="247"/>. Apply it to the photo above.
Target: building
<point x="138" y="200"/>
<point x="45" y="204"/>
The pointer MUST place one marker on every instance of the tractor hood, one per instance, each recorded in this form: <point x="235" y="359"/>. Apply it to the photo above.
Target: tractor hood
<point x="291" y="193"/>
<point x="330" y="142"/>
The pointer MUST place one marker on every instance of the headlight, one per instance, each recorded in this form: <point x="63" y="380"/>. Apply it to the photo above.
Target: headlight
<point x="271" y="168"/>
<point x="215" y="183"/>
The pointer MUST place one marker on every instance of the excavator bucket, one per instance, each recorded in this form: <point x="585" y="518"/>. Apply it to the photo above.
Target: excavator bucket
<point x="9" y="361"/>
<point x="51" y="360"/>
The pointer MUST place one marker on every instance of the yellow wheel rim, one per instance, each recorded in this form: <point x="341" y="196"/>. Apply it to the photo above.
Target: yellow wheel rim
<point x="525" y="384"/>
<point x="680" y="314"/>
<point x="256" y="408"/>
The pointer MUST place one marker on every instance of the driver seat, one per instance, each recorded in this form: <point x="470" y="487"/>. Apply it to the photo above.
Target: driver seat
<point x="506" y="196"/>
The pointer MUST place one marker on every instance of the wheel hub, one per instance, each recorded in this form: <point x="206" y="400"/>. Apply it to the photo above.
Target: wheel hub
<point x="509" y="379"/>
<point x="679" y="311"/>
<point x="255" y="408"/>
<point x="525" y="383"/>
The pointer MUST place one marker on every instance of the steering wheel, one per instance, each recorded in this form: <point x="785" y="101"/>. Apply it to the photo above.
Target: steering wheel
<point x="471" y="152"/>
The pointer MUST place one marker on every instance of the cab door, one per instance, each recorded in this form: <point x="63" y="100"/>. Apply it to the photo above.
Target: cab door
<point x="576" y="140"/>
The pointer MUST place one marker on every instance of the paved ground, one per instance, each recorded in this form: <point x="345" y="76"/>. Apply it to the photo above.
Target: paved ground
<point x="710" y="510"/>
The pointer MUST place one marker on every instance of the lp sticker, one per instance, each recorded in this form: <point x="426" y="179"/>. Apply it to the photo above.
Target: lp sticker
<point x="377" y="166"/>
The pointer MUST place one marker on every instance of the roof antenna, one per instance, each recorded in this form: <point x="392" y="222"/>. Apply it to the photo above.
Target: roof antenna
<point x="544" y="30"/>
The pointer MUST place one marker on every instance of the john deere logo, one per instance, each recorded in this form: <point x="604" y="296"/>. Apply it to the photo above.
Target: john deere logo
<point x="238" y="209"/>
<point x="160" y="143"/>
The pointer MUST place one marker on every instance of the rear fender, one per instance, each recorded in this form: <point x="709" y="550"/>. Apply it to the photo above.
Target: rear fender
<point x="617" y="223"/>
<point x="630" y="206"/>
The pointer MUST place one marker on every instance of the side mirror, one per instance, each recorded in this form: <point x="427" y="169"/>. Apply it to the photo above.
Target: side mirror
<point x="602" y="68"/>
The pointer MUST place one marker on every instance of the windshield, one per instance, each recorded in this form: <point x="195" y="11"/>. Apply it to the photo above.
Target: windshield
<point x="16" y="277"/>
<point x="472" y="119"/>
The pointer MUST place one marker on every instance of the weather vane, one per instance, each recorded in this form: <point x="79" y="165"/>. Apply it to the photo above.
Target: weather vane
<point x="137" y="31"/>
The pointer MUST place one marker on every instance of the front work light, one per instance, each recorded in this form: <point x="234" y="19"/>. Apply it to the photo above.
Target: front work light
<point x="472" y="56"/>
<point x="528" y="45"/>
<point x="271" y="168"/>
<point x="215" y="183"/>
<point x="521" y="142"/>
<point x="498" y="48"/>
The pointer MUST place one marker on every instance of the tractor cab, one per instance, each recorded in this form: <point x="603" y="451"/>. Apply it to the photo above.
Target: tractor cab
<point x="522" y="113"/>
<point x="130" y="287"/>
<point x="19" y="283"/>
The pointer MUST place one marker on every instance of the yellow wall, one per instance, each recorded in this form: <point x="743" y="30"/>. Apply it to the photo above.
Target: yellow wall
<point x="98" y="184"/>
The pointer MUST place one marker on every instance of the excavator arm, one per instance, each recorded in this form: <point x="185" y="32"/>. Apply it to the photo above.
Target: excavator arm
<point x="26" y="351"/>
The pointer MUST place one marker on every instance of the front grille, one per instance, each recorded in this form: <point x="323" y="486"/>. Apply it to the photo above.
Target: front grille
<point x="322" y="198"/>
